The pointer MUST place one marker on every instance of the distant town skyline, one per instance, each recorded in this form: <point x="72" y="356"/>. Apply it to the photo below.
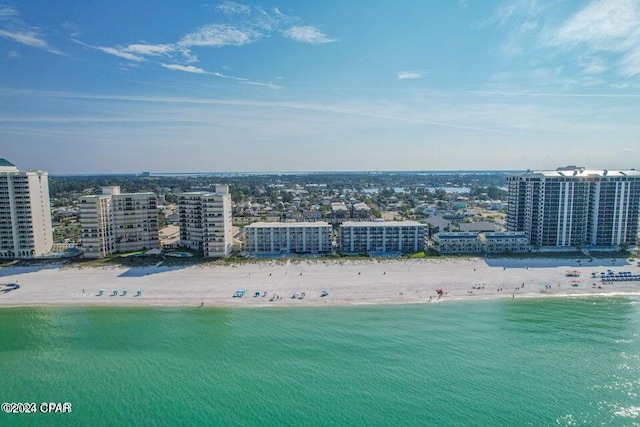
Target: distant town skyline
<point x="125" y="87"/>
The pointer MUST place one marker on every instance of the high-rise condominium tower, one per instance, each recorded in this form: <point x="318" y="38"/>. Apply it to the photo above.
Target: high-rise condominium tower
<point x="25" y="213"/>
<point x="113" y="222"/>
<point x="575" y="207"/>
<point x="205" y="221"/>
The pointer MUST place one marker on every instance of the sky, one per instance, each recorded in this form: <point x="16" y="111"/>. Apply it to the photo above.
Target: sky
<point x="104" y="86"/>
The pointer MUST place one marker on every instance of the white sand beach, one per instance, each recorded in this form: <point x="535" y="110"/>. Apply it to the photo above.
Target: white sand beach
<point x="386" y="281"/>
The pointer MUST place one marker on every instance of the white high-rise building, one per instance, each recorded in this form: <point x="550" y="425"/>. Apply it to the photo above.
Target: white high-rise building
<point x="113" y="222"/>
<point x="96" y="222"/>
<point x="575" y="207"/>
<point x="205" y="221"/>
<point x="25" y="213"/>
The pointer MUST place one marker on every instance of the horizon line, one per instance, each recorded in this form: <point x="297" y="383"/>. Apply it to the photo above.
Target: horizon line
<point x="156" y="174"/>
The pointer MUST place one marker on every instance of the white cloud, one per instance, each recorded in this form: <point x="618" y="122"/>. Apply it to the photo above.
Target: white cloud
<point x="514" y="11"/>
<point x="232" y="8"/>
<point x="74" y="29"/>
<point x="242" y="25"/>
<point x="196" y="70"/>
<point x="630" y="64"/>
<point x="406" y="75"/>
<point x="13" y="54"/>
<point x="598" y="38"/>
<point x="13" y="28"/>
<point x="149" y="49"/>
<point x="119" y="52"/>
<point x="29" y="39"/>
<point x="186" y="68"/>
<point x="245" y="80"/>
<point x="520" y="20"/>
<point x="605" y="26"/>
<point x="602" y="23"/>
<point x="217" y="35"/>
<point x="245" y="25"/>
<point x="307" y="34"/>
<point x="268" y="85"/>
<point x="594" y="67"/>
<point x="7" y="12"/>
<point x="224" y="76"/>
<point x="135" y="52"/>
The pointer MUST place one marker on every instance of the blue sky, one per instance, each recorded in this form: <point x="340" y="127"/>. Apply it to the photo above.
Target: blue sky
<point x="176" y="86"/>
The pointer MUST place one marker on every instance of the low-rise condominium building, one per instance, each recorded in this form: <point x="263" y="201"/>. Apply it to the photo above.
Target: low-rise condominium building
<point x="288" y="238"/>
<point x="380" y="237"/>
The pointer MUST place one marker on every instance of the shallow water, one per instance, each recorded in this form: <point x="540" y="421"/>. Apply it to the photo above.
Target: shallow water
<point x="497" y="362"/>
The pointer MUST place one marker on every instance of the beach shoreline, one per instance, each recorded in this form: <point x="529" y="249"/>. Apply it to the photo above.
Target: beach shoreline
<point x="346" y="282"/>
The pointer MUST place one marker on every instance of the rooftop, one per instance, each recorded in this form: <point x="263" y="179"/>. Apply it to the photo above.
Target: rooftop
<point x="579" y="172"/>
<point x="502" y="234"/>
<point x="287" y="224"/>
<point x="382" y="224"/>
<point x="201" y="193"/>
<point x="462" y="235"/>
<point x="478" y="226"/>
<point x="7" y="166"/>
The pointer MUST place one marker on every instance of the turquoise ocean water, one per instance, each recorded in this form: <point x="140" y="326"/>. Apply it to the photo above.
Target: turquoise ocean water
<point x="484" y="363"/>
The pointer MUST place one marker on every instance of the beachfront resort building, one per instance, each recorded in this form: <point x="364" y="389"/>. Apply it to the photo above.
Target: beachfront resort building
<point x="205" y="221"/>
<point x="473" y="242"/>
<point x="288" y="238"/>
<point x="25" y="213"/>
<point x="379" y="237"/>
<point x="114" y="222"/>
<point x="504" y="242"/>
<point x="457" y="243"/>
<point x="575" y="207"/>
